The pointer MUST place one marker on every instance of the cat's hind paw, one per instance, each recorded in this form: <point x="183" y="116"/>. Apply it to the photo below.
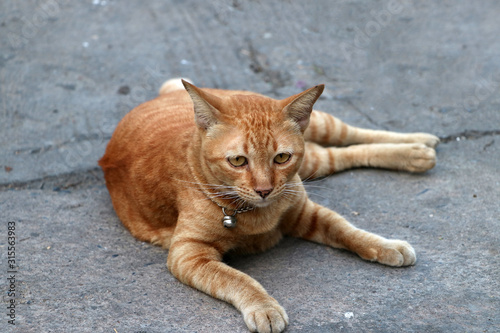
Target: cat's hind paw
<point x="429" y="140"/>
<point x="266" y="319"/>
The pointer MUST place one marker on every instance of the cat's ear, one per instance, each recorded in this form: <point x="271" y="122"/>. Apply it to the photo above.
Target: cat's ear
<point x="206" y="106"/>
<point x="299" y="107"/>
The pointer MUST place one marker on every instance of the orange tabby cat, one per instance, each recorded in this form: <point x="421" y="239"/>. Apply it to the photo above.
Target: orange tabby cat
<point x="203" y="172"/>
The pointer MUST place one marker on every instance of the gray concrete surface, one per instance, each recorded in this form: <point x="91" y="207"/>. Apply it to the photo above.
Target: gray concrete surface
<point x="69" y="70"/>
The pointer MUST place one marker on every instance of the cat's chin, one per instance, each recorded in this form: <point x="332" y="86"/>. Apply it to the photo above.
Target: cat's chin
<point x="262" y="203"/>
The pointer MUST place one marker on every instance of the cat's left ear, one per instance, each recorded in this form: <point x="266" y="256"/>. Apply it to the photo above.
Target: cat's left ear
<point x="299" y="107"/>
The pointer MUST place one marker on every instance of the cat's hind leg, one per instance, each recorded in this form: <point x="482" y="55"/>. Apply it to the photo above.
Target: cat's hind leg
<point x="328" y="130"/>
<point x="319" y="224"/>
<point x="320" y="161"/>
<point x="147" y="232"/>
<point x="140" y="227"/>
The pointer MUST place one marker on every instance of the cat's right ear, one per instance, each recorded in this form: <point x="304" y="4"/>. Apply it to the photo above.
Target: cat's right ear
<point x="206" y="106"/>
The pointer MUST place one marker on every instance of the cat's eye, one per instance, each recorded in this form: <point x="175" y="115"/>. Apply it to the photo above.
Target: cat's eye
<point x="282" y="158"/>
<point x="237" y="161"/>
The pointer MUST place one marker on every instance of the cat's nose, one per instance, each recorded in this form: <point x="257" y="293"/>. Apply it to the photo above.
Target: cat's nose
<point x="263" y="192"/>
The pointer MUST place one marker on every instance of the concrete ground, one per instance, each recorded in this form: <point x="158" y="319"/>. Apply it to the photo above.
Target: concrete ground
<point x="70" y="70"/>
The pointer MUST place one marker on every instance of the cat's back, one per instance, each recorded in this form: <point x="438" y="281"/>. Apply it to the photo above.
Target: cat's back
<point x="150" y="129"/>
<point x="164" y="122"/>
<point x="145" y="163"/>
<point x="166" y="116"/>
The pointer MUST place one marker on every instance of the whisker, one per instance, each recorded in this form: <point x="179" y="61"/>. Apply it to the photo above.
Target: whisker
<point x="226" y="195"/>
<point x="239" y="203"/>
<point x="229" y="195"/>
<point x="306" y="186"/>
<point x="289" y="196"/>
<point x="292" y="190"/>
<point x="319" y="187"/>
<point x="289" y="188"/>
<point x="316" y="194"/>
<point x="310" y="178"/>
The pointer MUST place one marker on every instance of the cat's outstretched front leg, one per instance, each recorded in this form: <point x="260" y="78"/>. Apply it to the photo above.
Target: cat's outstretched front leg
<point x="313" y="222"/>
<point x="197" y="262"/>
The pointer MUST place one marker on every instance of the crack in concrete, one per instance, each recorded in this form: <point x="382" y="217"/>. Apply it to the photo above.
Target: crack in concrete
<point x="62" y="182"/>
<point x="49" y="147"/>
<point x="355" y="108"/>
<point x="468" y="135"/>
<point x="259" y="65"/>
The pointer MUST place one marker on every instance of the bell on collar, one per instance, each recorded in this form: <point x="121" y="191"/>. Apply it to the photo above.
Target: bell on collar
<point x="229" y="221"/>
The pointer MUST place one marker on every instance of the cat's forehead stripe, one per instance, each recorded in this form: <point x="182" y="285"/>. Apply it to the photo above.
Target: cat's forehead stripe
<point x="275" y="144"/>
<point x="260" y="141"/>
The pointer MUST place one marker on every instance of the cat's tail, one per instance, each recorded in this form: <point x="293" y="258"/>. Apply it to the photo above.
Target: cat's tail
<point x="172" y="85"/>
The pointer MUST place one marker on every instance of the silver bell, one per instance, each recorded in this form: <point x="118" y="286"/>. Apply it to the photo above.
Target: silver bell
<point x="229" y="221"/>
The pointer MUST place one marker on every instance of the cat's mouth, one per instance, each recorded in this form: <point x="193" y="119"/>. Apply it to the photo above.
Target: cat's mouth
<point x="257" y="201"/>
<point x="245" y="199"/>
<point x="261" y="203"/>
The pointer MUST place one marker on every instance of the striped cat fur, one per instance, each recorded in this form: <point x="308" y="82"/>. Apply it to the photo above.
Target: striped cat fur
<point x="174" y="161"/>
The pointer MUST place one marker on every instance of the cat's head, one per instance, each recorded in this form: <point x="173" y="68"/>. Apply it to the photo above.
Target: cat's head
<point x="252" y="146"/>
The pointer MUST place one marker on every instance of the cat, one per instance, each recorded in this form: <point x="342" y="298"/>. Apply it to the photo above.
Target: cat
<point x="204" y="172"/>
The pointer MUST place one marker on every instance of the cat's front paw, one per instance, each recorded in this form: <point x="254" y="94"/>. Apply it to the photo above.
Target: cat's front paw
<point x="420" y="158"/>
<point x="396" y="253"/>
<point x="266" y="318"/>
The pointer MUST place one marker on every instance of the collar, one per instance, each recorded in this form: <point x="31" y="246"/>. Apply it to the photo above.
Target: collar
<point x="229" y="220"/>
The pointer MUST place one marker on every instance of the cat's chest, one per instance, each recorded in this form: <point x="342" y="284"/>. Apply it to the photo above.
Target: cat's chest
<point x="259" y="221"/>
<point x="200" y="214"/>
<point x="254" y="232"/>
